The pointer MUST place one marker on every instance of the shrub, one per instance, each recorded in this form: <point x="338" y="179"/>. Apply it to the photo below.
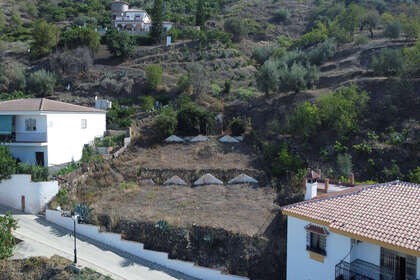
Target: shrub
<point x="281" y="15"/>
<point x="411" y="29"/>
<point x="147" y="103"/>
<point x="362" y="39"/>
<point x="414" y="176"/>
<point x="7" y="240"/>
<point x="284" y="162"/>
<point x="296" y="77"/>
<point x="81" y="37"/>
<point x="153" y="76"/>
<point x="344" y="165"/>
<point x="39" y="173"/>
<point x="412" y="58"/>
<point x="315" y="36"/>
<point x="392" y="173"/>
<point x="342" y="109"/>
<point x="68" y="169"/>
<point x="42" y="83"/>
<point x="238" y="126"/>
<point x="84" y="213"/>
<point x="393" y="30"/>
<point x="237" y="27"/>
<point x="71" y="62"/>
<point x="305" y="120"/>
<point x="268" y="77"/>
<point x="193" y="120"/>
<point x="45" y="37"/>
<point x="12" y="77"/>
<point x="120" y="44"/>
<point x="183" y="83"/>
<point x="388" y="62"/>
<point x="62" y="197"/>
<point x="322" y="52"/>
<point x="262" y="54"/>
<point x="7" y="163"/>
<point x="166" y="122"/>
<point x="198" y="78"/>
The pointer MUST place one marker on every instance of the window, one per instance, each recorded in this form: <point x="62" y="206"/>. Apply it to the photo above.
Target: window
<point x="30" y="124"/>
<point x="84" y="123"/>
<point x="316" y="239"/>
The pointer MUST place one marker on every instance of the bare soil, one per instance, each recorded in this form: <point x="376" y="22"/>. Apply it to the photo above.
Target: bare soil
<point x="236" y="208"/>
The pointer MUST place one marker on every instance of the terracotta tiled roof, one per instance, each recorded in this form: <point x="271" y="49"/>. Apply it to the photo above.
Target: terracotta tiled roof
<point x="387" y="213"/>
<point x="43" y="104"/>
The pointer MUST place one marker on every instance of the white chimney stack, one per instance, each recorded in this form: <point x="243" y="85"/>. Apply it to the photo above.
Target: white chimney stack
<point x="311" y="189"/>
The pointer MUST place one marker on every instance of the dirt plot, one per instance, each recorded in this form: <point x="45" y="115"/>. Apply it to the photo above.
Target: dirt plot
<point x="202" y="155"/>
<point x="237" y="208"/>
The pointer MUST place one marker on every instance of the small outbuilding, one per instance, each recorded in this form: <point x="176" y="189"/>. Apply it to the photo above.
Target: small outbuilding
<point x="242" y="179"/>
<point x="208" y="179"/>
<point x="228" y="139"/>
<point x="175" y="181"/>
<point x="174" y="139"/>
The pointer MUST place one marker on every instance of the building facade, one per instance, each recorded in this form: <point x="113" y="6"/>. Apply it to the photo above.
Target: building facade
<point x="363" y="233"/>
<point x="135" y="21"/>
<point x="46" y="132"/>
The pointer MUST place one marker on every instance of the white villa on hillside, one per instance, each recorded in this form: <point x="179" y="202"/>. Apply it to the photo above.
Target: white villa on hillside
<point x="46" y="132"/>
<point x="362" y="233"/>
<point x="133" y="20"/>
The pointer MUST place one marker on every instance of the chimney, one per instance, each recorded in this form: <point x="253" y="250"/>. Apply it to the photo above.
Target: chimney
<point x="319" y="172"/>
<point x="327" y="184"/>
<point x="352" y="178"/>
<point x="311" y="189"/>
<point x="96" y="97"/>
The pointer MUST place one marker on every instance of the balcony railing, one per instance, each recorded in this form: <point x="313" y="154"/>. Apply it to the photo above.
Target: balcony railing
<point x="361" y="270"/>
<point x="30" y="137"/>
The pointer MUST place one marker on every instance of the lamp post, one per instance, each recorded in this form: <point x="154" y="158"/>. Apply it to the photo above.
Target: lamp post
<point x="75" y="218"/>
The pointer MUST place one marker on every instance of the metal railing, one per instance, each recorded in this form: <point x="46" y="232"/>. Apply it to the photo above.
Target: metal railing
<point x="29" y="136"/>
<point x="361" y="270"/>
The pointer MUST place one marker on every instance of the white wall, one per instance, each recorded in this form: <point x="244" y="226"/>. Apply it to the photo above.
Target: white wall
<point x="37" y="194"/>
<point x="300" y="266"/>
<point x="26" y="153"/>
<point x="66" y="137"/>
<point x="418" y="268"/>
<point x="368" y="252"/>
<point x="137" y="249"/>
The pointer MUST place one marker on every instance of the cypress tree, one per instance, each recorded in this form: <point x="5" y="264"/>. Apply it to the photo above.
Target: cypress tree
<point x="200" y="16"/>
<point x="157" y="21"/>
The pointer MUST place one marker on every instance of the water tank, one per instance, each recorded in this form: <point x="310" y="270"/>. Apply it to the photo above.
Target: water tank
<point x="119" y="6"/>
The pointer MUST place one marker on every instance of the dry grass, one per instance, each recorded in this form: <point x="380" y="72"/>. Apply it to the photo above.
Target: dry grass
<point x="37" y="268"/>
<point x="204" y="155"/>
<point x="237" y="208"/>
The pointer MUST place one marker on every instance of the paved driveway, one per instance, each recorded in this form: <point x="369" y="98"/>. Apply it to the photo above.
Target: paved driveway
<point x="42" y="238"/>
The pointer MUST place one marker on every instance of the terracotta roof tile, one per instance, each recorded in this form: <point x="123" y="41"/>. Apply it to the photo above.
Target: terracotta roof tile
<point x="43" y="104"/>
<point x="389" y="213"/>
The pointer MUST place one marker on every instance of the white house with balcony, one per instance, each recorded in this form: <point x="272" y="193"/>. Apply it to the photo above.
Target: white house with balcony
<point x="46" y="132"/>
<point x="135" y="21"/>
<point x="360" y="233"/>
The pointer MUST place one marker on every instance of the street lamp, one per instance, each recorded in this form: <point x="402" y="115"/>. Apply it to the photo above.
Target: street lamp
<point x="75" y="218"/>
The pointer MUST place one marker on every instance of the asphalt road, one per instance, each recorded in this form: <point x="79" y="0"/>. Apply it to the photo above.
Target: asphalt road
<point x="42" y="238"/>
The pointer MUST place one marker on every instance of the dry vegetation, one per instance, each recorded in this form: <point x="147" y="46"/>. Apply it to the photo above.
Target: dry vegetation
<point x="39" y="268"/>
<point x="236" y="208"/>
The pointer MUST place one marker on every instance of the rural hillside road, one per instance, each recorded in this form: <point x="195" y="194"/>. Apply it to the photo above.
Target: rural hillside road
<point x="41" y="238"/>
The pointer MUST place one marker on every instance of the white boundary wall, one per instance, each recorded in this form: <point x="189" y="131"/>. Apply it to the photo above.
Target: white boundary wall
<point x="37" y="194"/>
<point x="137" y="249"/>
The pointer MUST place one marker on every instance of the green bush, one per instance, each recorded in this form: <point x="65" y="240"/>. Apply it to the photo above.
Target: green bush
<point x="183" y="83"/>
<point x="42" y="83"/>
<point x="166" y="123"/>
<point x="305" y="120"/>
<point x="7" y="240"/>
<point x="389" y="62"/>
<point x="68" y="169"/>
<point x="238" y="126"/>
<point x="297" y="77"/>
<point x="193" y="120"/>
<point x="12" y="77"/>
<point x="281" y="15"/>
<point x="144" y="40"/>
<point x="45" y="38"/>
<point x="262" y="54"/>
<point x="344" y="165"/>
<point x="237" y="27"/>
<point x="120" y="44"/>
<point x="81" y="36"/>
<point x="153" y="76"/>
<point x="62" y="197"/>
<point x="315" y="36"/>
<point x="147" y="103"/>
<point x="412" y="58"/>
<point x="393" y="30"/>
<point x="322" y="52"/>
<point x="414" y="176"/>
<point x="7" y="163"/>
<point x="342" y="109"/>
<point x="285" y="162"/>
<point x="268" y="77"/>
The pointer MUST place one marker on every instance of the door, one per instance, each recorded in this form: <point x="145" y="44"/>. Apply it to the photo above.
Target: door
<point x="39" y="157"/>
<point x="400" y="268"/>
<point x="23" y="203"/>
